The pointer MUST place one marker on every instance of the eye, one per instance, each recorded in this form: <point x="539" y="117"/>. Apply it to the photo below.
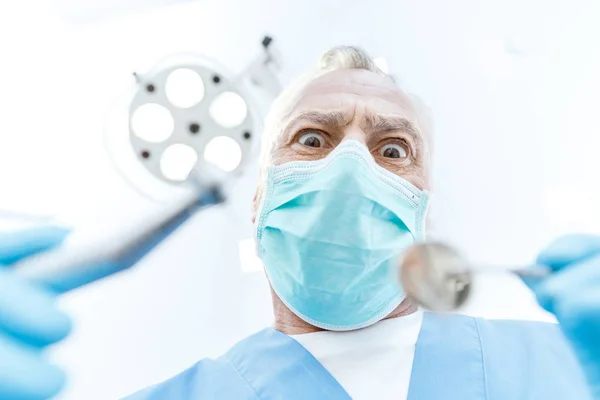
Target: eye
<point x="312" y="139"/>
<point x="393" y="151"/>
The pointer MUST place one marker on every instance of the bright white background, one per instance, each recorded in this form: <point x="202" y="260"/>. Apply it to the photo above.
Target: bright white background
<point x="514" y="90"/>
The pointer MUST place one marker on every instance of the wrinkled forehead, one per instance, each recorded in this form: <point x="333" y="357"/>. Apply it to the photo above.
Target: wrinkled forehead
<point x="352" y="91"/>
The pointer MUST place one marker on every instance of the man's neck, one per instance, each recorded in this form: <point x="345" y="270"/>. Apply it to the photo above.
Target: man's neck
<point x="290" y="324"/>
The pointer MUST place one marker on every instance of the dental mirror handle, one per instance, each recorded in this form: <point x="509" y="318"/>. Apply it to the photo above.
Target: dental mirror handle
<point x="73" y="264"/>
<point x="536" y="271"/>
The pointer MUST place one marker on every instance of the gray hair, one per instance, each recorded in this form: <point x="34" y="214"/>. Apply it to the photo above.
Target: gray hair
<point x="348" y="57"/>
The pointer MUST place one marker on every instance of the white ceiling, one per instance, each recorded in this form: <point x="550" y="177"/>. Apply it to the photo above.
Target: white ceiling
<point x="513" y="89"/>
<point x="85" y="13"/>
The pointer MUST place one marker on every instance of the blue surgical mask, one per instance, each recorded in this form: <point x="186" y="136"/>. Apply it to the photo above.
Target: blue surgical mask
<point x="329" y="234"/>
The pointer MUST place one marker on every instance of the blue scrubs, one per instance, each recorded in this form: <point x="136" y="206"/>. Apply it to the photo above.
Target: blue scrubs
<point x="456" y="358"/>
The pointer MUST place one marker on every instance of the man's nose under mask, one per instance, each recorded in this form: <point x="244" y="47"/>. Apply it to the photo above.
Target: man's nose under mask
<point x="329" y="233"/>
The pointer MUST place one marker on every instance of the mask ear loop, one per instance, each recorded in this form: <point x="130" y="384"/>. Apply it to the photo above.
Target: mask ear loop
<point x="263" y="205"/>
<point x="422" y="218"/>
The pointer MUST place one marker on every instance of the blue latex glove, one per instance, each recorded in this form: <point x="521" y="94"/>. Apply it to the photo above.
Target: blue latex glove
<point x="29" y="321"/>
<point x="572" y="293"/>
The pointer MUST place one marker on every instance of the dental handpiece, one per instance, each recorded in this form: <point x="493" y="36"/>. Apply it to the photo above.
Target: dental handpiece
<point x="440" y="279"/>
<point x="98" y="252"/>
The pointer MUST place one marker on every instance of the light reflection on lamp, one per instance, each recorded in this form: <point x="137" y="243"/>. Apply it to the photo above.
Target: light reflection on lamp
<point x="184" y="88"/>
<point x="152" y="123"/>
<point x="224" y="152"/>
<point x="228" y="110"/>
<point x="177" y="161"/>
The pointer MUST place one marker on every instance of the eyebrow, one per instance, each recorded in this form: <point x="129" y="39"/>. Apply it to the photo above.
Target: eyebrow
<point x="379" y="123"/>
<point x="336" y="119"/>
<point x="372" y="123"/>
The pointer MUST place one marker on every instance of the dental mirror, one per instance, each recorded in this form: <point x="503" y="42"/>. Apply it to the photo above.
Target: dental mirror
<point x="439" y="278"/>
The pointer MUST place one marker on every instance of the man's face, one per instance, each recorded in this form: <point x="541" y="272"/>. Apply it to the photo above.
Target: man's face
<point x="352" y="104"/>
<point x="360" y="105"/>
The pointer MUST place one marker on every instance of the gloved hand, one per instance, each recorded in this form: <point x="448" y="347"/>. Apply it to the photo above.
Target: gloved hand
<point x="572" y="293"/>
<point x="29" y="321"/>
